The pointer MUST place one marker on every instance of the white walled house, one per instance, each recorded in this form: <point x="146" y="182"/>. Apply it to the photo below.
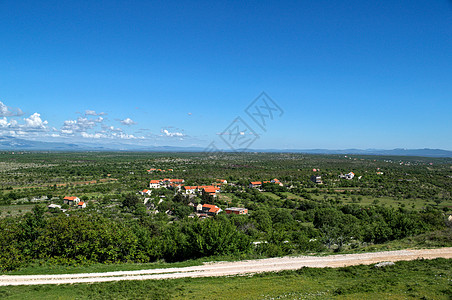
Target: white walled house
<point x="71" y="200"/>
<point x="154" y="184"/>
<point x="145" y="192"/>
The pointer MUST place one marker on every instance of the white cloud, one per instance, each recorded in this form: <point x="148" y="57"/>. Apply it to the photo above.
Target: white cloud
<point x="80" y="125"/>
<point x="35" y="121"/>
<point x="92" y="135"/>
<point x="32" y="126"/>
<point x="93" y="113"/>
<point x="171" y="134"/>
<point x="122" y="135"/>
<point x="6" y="111"/>
<point x="127" y="122"/>
<point x="5" y="124"/>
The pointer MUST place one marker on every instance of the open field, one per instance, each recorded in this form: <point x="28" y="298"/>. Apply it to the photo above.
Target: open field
<point x="15" y="210"/>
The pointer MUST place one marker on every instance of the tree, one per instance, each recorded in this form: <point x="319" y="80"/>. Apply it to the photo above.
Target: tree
<point x="131" y="201"/>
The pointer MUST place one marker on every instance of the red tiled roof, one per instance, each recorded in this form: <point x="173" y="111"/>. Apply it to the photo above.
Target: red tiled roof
<point x="176" y="180"/>
<point x="155" y="181"/>
<point x="81" y="203"/>
<point x="212" y="208"/>
<point x="255" y="182"/>
<point x="70" y="198"/>
<point x="210" y="189"/>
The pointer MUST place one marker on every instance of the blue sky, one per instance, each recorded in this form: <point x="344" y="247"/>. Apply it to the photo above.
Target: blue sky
<point x="346" y="74"/>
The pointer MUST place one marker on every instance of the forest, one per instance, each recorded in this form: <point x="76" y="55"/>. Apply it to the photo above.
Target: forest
<point x="389" y="199"/>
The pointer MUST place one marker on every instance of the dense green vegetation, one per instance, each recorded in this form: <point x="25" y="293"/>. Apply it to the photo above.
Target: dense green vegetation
<point x="420" y="279"/>
<point x="412" y="197"/>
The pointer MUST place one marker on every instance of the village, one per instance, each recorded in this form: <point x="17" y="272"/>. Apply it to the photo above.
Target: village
<point x="198" y="195"/>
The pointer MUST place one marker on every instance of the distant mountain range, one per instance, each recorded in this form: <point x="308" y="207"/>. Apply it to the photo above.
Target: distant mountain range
<point x="16" y="144"/>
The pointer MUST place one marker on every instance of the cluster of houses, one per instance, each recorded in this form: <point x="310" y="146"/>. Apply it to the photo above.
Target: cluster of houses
<point x="69" y="200"/>
<point x="317" y="179"/>
<point x="201" y="210"/>
<point x="258" y="184"/>
<point x="166" y="182"/>
<point x="178" y="184"/>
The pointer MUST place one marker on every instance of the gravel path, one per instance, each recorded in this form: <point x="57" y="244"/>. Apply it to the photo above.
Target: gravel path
<point x="232" y="268"/>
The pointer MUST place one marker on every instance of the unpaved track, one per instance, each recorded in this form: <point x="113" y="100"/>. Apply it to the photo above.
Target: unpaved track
<point x="232" y="268"/>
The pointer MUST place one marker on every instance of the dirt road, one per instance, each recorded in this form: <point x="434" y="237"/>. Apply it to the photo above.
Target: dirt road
<point x="232" y="268"/>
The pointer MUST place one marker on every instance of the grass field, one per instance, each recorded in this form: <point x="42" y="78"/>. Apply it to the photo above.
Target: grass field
<point x="15" y="210"/>
<point x="420" y="279"/>
<point x="386" y="201"/>
<point x="271" y="195"/>
<point x="291" y="196"/>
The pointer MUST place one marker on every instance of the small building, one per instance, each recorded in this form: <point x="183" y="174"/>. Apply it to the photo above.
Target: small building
<point x="71" y="200"/>
<point x="169" y="182"/>
<point x="145" y="192"/>
<point x="154" y="184"/>
<point x="211" y="190"/>
<point x="236" y="210"/>
<point x="347" y="176"/>
<point x="316" y="179"/>
<point x="54" y="206"/>
<point x="175" y="186"/>
<point x="255" y="184"/>
<point x="190" y="189"/>
<point x="81" y="205"/>
<point x="276" y="181"/>
<point x="208" y="209"/>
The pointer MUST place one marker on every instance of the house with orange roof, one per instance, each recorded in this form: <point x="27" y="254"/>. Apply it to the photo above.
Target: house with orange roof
<point x="208" y="209"/>
<point x="190" y="189"/>
<point x="255" y="184"/>
<point x="276" y="181"/>
<point x="155" y="184"/>
<point x="71" y="200"/>
<point x="177" y="186"/>
<point x="211" y="190"/>
<point x="168" y="181"/>
<point x="81" y="204"/>
<point x="177" y="180"/>
<point x="145" y="192"/>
